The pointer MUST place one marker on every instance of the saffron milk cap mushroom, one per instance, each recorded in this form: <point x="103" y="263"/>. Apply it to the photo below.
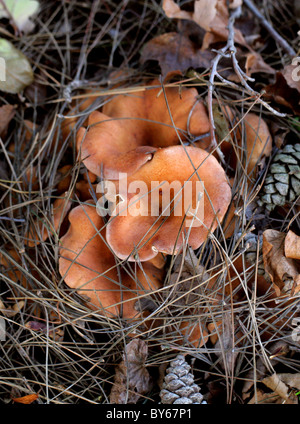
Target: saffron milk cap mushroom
<point x="87" y="264"/>
<point x="130" y="127"/>
<point x="179" y="196"/>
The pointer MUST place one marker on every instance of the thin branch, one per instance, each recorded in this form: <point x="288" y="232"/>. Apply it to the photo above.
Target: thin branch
<point x="281" y="41"/>
<point x="229" y="50"/>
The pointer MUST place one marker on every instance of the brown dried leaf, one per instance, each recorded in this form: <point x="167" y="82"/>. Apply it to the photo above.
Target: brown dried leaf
<point x="291" y="380"/>
<point x="255" y="63"/>
<point x="173" y="11"/>
<point x="174" y="51"/>
<point x="277" y="349"/>
<point x="218" y="30"/>
<point x="274" y="383"/>
<point x="205" y="12"/>
<point x="226" y="343"/>
<point x="132" y="379"/>
<point x="291" y="74"/>
<point x="278" y="383"/>
<point x="283" y="271"/>
<point x="7" y="112"/>
<point x="292" y="245"/>
<point x="284" y="94"/>
<point x="26" y="400"/>
<point x="212" y="15"/>
<point x="270" y="398"/>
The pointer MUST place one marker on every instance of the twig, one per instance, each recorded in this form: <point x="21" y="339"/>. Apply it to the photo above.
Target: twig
<point x="281" y="41"/>
<point x="229" y="50"/>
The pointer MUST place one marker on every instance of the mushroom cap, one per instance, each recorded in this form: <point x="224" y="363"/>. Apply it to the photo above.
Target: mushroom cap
<point x="134" y="229"/>
<point x="130" y="128"/>
<point x="88" y="265"/>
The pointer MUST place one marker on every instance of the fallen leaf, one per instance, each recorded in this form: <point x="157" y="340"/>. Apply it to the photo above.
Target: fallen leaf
<point x="210" y="15"/>
<point x="292" y="380"/>
<point x="172" y="10"/>
<point x="132" y="379"/>
<point x="283" y="271"/>
<point x="292" y="245"/>
<point x="284" y="94"/>
<point x="276" y="350"/>
<point x="175" y="51"/>
<point x="270" y="398"/>
<point x="55" y="333"/>
<point x="26" y="400"/>
<point x="256" y="64"/>
<point x="291" y="74"/>
<point x="15" y="68"/>
<point x="7" y="112"/>
<point x="204" y="12"/>
<point x="253" y="138"/>
<point x="274" y="383"/>
<point x="218" y="30"/>
<point x="226" y="343"/>
<point x="20" y="11"/>
<point x="279" y="384"/>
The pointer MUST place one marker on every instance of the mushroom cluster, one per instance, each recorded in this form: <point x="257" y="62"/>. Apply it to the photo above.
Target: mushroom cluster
<point x="156" y="193"/>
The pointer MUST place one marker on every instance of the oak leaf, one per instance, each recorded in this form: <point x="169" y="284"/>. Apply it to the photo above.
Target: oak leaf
<point x="283" y="271"/>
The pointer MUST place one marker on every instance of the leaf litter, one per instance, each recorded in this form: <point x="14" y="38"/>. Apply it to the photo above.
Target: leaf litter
<point x="215" y="306"/>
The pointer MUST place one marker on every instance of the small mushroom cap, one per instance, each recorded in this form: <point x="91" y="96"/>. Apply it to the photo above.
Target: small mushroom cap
<point x="134" y="229"/>
<point x="88" y="265"/>
<point x="130" y="128"/>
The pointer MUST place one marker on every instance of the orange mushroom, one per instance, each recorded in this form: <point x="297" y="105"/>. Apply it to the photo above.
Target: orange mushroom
<point x="183" y="194"/>
<point x="88" y="265"/>
<point x="130" y="128"/>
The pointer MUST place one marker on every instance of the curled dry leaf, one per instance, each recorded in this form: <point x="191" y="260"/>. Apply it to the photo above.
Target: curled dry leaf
<point x="292" y="245"/>
<point x="283" y="271"/>
<point x="279" y="384"/>
<point x="132" y="379"/>
<point x="131" y="127"/>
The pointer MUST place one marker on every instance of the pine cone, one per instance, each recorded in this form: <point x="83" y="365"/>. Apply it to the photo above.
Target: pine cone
<point x="179" y="386"/>
<point x="251" y="252"/>
<point x="282" y="184"/>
